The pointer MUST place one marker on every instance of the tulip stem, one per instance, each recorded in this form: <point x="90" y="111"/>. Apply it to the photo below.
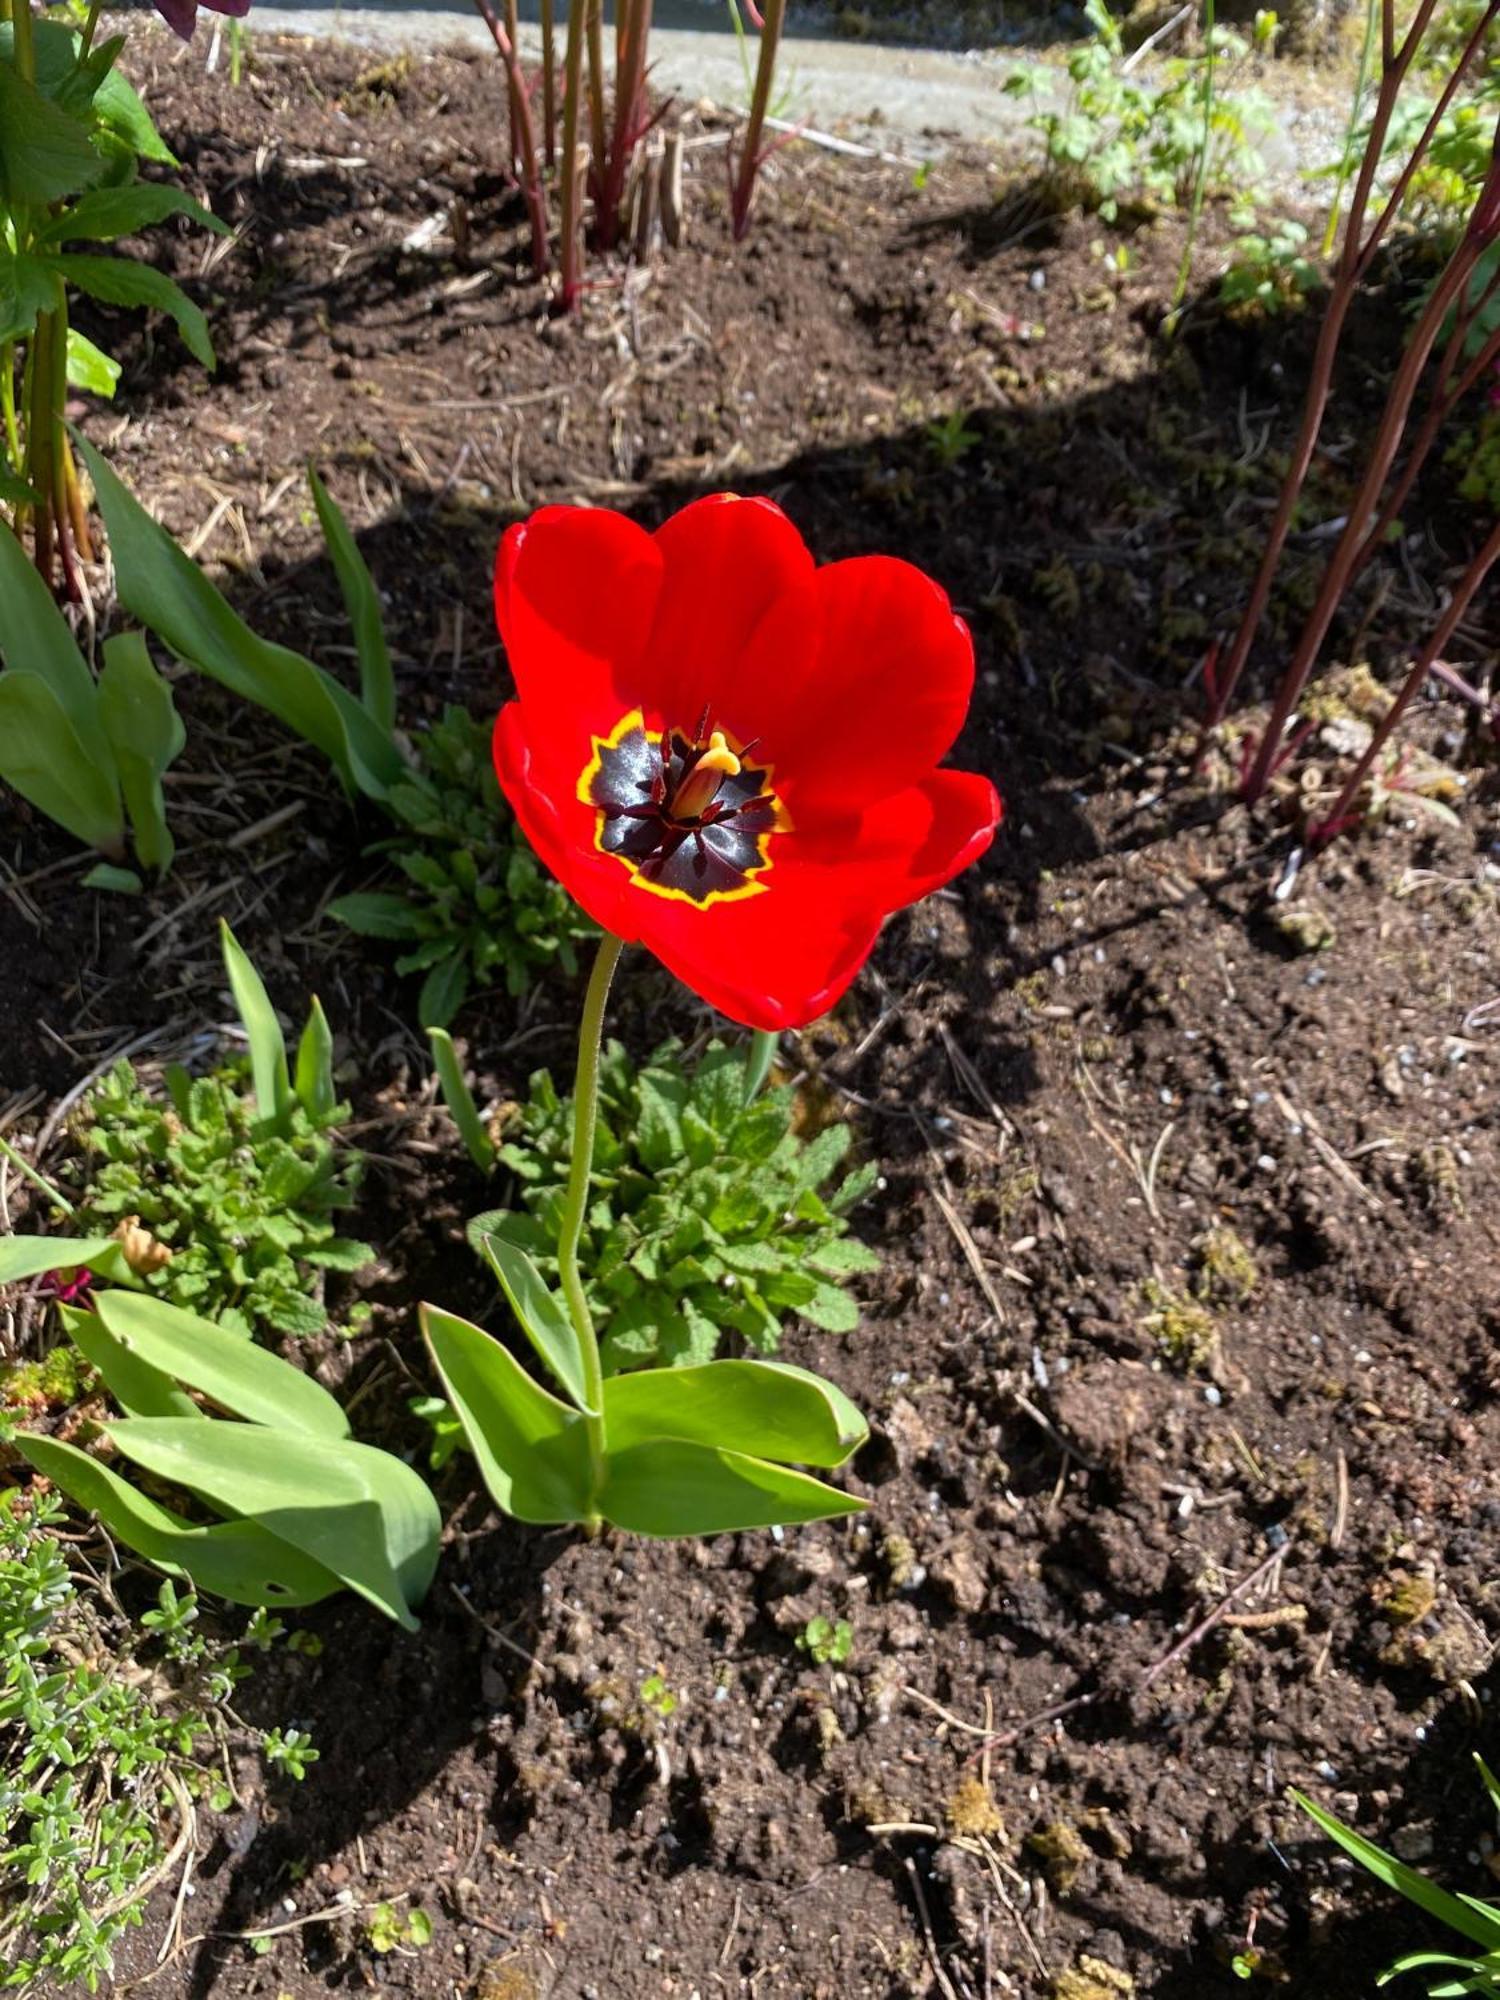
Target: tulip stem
<point x="570" y="1231"/>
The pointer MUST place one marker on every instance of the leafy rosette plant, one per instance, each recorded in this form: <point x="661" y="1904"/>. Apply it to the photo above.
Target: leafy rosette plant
<point x="305" y="1509"/>
<point x="731" y="756"/>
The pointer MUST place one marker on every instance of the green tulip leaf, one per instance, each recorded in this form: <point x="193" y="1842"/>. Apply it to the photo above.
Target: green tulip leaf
<point x="543" y="1317"/>
<point x="140" y="1389"/>
<point x="35" y="638"/>
<point x="460" y="1100"/>
<point x="172" y="597"/>
<point x="45" y="759"/>
<point x="268" y="1069"/>
<point x="377" y="684"/>
<point x="356" y="1511"/>
<point x="231" y="1371"/>
<point x="239" y="1560"/>
<point x="670" y="1487"/>
<point x="112" y="880"/>
<point x="532" y="1449"/>
<point x="146" y="734"/>
<point x="34" y="1256"/>
<point x="763" y="1408"/>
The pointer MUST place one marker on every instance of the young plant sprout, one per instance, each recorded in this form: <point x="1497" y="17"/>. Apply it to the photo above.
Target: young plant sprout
<point x="730" y="756"/>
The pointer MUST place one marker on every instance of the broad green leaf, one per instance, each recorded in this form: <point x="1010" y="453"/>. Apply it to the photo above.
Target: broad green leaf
<point x="1458" y="1913"/>
<point x="90" y="368"/>
<point x="764" y="1408"/>
<point x="44" y="758"/>
<point x="377" y="914"/>
<point x="268" y="1069"/>
<point x="314" y="1081"/>
<point x="444" y="991"/>
<point x="170" y="595"/>
<point x="460" y="1100"/>
<point x="669" y="1487"/>
<point x="544" y="1319"/>
<point x="27" y="290"/>
<point x="44" y="154"/>
<point x="235" y="1559"/>
<point x="121" y="281"/>
<point x="35" y="638"/>
<point x="138" y="1388"/>
<point x="109" y="213"/>
<point x="233" y="1373"/>
<point x="359" y="1512"/>
<point x="146" y="734"/>
<point x="118" y="105"/>
<point x="34" y="1256"/>
<point x="361" y="600"/>
<point x="15" y="492"/>
<point x="532" y="1449"/>
<point x="832" y="1310"/>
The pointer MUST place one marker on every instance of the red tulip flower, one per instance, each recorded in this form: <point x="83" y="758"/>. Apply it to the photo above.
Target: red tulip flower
<point x="181" y="16"/>
<point x="729" y="755"/>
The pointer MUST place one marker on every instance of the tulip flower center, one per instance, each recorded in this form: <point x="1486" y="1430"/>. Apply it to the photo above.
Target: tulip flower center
<point x="688" y="814"/>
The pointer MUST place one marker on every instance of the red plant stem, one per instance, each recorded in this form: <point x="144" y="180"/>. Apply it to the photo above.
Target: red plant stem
<point x="549" y="85"/>
<point x="523" y="138"/>
<point x="633" y="37"/>
<point x="1447" y="625"/>
<point x="572" y="184"/>
<point x="1447" y="395"/>
<point x="751" y="156"/>
<point x="516" y="89"/>
<point x="1419" y="152"/>
<point x="1351" y="267"/>
<point x="598" y="140"/>
<point x="1341" y="564"/>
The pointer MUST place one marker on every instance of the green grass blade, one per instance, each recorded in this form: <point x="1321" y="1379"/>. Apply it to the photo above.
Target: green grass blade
<point x="1466" y="1919"/>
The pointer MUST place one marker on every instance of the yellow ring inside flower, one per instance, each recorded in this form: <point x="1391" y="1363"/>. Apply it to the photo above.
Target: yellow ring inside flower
<point x="689" y="815"/>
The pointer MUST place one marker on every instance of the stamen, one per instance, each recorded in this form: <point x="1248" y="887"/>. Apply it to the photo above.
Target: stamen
<point x="696" y="790"/>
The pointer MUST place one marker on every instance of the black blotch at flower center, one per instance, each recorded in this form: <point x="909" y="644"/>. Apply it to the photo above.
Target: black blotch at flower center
<point x="686" y="813"/>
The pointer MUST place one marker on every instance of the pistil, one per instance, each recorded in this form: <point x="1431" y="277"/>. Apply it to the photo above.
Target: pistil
<point x="700" y="783"/>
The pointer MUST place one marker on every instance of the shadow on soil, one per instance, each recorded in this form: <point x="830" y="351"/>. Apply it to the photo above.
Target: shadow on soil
<point x="1094" y="545"/>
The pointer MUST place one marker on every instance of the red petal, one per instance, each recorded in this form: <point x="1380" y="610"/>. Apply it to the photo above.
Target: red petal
<point x="781" y="957"/>
<point x="561" y="827"/>
<point x="181" y="16"/>
<point x="775" y="960"/>
<point x="575" y="592"/>
<point x="917" y="840"/>
<point x="728" y="562"/>
<point x="883" y="697"/>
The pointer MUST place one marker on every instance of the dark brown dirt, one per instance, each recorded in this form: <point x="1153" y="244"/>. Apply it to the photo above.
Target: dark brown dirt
<point x="1100" y="1047"/>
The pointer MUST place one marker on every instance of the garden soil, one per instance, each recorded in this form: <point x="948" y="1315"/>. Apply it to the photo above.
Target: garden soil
<point x="1182" y="1366"/>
